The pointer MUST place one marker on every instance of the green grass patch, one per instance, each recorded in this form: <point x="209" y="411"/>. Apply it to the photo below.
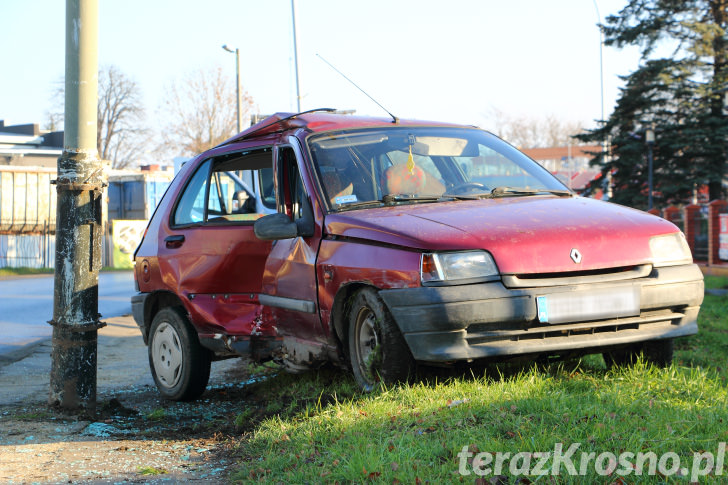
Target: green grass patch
<point x="318" y="428"/>
<point x="709" y="348"/>
<point x="25" y="271"/>
<point x="717" y="282"/>
<point x="157" y="415"/>
<point x="33" y="416"/>
<point x="416" y="432"/>
<point x="150" y="470"/>
<point x="242" y="419"/>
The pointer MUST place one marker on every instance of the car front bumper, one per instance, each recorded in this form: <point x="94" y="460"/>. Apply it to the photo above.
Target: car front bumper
<point x="466" y="322"/>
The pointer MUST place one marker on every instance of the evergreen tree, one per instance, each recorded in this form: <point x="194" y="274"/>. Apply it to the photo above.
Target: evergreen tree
<point x="681" y="96"/>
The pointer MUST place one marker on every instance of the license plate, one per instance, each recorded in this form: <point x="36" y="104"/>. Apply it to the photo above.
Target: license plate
<point x="588" y="305"/>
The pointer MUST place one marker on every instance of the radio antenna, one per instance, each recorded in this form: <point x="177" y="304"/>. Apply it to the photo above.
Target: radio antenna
<point x="394" y="118"/>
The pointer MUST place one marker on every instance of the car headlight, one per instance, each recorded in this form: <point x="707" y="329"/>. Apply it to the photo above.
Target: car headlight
<point x="458" y="267"/>
<point x="670" y="249"/>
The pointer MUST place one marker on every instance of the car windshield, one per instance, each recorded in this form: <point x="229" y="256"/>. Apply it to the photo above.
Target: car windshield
<point x="361" y="168"/>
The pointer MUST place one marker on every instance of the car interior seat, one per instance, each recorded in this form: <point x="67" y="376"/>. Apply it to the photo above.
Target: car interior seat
<point x="335" y="186"/>
<point x="398" y="179"/>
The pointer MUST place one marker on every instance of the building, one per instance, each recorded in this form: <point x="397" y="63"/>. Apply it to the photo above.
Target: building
<point x="564" y="158"/>
<point x="29" y="146"/>
<point x="569" y="163"/>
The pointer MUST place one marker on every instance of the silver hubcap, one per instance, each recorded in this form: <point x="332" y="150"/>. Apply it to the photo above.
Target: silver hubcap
<point x="167" y="355"/>
<point x="367" y="339"/>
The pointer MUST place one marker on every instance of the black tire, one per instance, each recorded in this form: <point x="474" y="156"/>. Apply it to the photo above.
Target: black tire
<point x="180" y="365"/>
<point x="656" y="352"/>
<point x="377" y="349"/>
<point x="659" y="352"/>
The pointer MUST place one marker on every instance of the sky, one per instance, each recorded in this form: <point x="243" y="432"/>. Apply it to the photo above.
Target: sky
<point x="454" y="61"/>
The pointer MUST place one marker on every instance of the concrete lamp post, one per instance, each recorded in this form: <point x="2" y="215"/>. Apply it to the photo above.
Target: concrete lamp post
<point x="650" y="139"/>
<point x="236" y="51"/>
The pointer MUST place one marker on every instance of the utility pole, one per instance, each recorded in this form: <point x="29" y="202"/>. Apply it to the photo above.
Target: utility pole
<point x="78" y="233"/>
<point x="295" y="56"/>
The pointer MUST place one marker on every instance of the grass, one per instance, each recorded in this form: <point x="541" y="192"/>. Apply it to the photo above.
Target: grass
<point x="24" y="271"/>
<point x="323" y="430"/>
<point x="157" y="415"/>
<point x="150" y="470"/>
<point x="34" y="416"/>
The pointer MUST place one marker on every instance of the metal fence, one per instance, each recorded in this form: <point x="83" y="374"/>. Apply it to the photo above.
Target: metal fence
<point x="701" y="235"/>
<point x="38" y="250"/>
<point x="27" y="250"/>
<point x="722" y="235"/>
<point x="676" y="218"/>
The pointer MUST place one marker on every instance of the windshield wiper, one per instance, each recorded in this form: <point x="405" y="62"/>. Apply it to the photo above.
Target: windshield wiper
<point x="392" y="198"/>
<point x="514" y="191"/>
<point x="447" y="196"/>
<point x="357" y="205"/>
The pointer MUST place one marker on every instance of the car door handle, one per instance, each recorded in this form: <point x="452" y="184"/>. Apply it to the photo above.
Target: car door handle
<point x="174" y="242"/>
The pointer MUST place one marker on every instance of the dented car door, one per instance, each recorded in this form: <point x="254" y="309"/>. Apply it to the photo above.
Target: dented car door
<point x="289" y="279"/>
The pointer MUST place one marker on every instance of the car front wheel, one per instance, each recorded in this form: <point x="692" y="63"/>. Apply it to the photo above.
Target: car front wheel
<point x="377" y="349"/>
<point x="180" y="365"/>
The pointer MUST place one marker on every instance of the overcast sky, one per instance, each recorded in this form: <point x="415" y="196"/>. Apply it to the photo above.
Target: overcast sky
<point x="452" y="60"/>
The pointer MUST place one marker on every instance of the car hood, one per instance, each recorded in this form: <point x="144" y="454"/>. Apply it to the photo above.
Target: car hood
<point x="524" y="234"/>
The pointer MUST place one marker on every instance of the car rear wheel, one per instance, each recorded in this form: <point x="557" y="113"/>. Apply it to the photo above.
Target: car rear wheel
<point x="657" y="352"/>
<point x="377" y="349"/>
<point x="180" y="365"/>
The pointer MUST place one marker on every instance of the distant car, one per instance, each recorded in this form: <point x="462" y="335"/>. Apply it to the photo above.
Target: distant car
<point x="321" y="237"/>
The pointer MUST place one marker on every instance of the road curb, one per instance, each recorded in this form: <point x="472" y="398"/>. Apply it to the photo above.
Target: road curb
<point x="21" y="353"/>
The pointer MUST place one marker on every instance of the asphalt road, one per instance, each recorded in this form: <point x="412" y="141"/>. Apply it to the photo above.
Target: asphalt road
<point x="26" y="305"/>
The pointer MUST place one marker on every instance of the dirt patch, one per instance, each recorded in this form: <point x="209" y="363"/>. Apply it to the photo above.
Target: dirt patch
<point x="135" y="436"/>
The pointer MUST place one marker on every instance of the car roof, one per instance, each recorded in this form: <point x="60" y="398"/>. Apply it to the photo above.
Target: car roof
<point x="321" y="120"/>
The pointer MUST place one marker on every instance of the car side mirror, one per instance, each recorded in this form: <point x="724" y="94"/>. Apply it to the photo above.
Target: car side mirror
<point x="275" y="226"/>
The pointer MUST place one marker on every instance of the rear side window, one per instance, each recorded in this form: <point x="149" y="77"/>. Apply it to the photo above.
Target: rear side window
<point x="191" y="206"/>
<point x="221" y="192"/>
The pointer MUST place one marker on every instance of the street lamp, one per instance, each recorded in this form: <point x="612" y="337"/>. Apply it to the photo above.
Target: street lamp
<point x="650" y="139"/>
<point x="236" y="51"/>
<point x="601" y="60"/>
<point x="605" y="144"/>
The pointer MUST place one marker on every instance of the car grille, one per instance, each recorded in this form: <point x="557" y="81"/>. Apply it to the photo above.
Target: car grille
<point x="495" y="332"/>
<point x="577" y="277"/>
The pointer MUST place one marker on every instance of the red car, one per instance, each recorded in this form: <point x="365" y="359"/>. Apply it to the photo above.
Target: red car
<point x="323" y="237"/>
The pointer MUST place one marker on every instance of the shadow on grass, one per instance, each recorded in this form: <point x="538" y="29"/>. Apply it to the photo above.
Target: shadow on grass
<point x="415" y="432"/>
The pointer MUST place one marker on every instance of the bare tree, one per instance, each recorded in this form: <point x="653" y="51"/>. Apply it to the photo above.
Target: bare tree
<point x="525" y="132"/>
<point x="53" y="122"/>
<point x="120" y="116"/>
<point x="120" y="130"/>
<point x="559" y="132"/>
<point x="55" y="113"/>
<point x="201" y="112"/>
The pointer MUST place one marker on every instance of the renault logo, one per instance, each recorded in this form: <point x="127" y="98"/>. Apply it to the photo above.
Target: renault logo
<point x="575" y="256"/>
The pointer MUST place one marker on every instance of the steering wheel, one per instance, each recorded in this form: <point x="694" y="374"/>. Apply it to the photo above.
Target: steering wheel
<point x="466" y="187"/>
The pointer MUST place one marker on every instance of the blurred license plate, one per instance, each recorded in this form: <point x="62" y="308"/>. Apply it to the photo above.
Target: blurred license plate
<point x="588" y="305"/>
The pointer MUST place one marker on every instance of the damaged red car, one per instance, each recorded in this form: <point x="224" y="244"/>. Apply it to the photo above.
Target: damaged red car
<point x="384" y="243"/>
